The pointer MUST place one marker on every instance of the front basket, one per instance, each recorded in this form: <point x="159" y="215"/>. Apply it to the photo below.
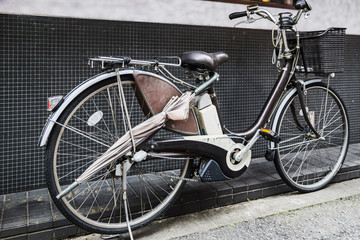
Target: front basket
<point x="322" y="52"/>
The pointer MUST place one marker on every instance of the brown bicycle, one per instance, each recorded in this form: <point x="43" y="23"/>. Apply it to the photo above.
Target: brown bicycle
<point x="121" y="145"/>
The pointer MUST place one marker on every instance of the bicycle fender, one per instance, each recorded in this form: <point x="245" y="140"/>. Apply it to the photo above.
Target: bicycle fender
<point x="78" y="90"/>
<point x="287" y="96"/>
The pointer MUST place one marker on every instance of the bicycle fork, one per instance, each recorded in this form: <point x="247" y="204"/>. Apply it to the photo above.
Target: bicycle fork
<point x="305" y="112"/>
<point x="300" y="84"/>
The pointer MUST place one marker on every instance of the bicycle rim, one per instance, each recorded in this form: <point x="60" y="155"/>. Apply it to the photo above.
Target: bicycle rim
<point x="307" y="163"/>
<point x="91" y="124"/>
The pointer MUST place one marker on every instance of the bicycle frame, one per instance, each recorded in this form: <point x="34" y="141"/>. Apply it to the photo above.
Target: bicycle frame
<point x="267" y="109"/>
<point x="189" y="145"/>
<point x="270" y="104"/>
<point x="212" y="146"/>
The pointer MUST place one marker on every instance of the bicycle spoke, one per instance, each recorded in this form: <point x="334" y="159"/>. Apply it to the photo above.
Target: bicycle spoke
<point x="292" y="139"/>
<point x="75" y="161"/>
<point x="76" y="169"/>
<point x="97" y="194"/>
<point x="292" y="160"/>
<point x="111" y="137"/>
<point x="84" y="134"/>
<point x="99" y="201"/>
<point x="83" y="191"/>
<point x="102" y="119"/>
<point x="113" y="114"/>
<point x="305" y="157"/>
<point x="307" y="163"/>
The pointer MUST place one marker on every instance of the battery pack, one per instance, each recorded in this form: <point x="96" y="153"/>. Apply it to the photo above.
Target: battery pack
<point x="210" y="120"/>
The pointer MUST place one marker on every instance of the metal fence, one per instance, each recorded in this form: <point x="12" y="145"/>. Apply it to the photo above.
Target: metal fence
<point x="44" y="56"/>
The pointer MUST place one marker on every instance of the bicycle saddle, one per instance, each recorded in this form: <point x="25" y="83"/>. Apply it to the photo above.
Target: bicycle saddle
<point x="202" y="60"/>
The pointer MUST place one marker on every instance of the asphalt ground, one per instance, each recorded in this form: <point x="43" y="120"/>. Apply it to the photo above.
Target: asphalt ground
<point x="338" y="219"/>
<point x="331" y="213"/>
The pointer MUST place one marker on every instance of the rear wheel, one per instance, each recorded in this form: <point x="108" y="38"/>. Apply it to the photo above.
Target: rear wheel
<point x="307" y="163"/>
<point x="87" y="128"/>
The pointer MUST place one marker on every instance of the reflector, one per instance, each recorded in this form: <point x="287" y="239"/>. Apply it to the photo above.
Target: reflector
<point x="53" y="102"/>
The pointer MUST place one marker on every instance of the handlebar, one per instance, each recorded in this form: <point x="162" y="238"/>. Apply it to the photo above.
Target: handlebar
<point x="253" y="10"/>
<point x="301" y="5"/>
<point x="238" y="15"/>
<point x="285" y="23"/>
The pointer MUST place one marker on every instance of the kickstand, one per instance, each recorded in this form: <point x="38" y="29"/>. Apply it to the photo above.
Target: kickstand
<point x="115" y="236"/>
<point x="119" y="236"/>
<point x="127" y="216"/>
<point x="125" y="201"/>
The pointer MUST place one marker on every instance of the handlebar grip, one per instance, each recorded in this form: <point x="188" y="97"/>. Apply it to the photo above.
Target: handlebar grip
<point x="302" y="4"/>
<point x="238" y="15"/>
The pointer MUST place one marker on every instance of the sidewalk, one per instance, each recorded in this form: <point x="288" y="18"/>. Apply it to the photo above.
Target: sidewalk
<point x="336" y="219"/>
<point x="204" y="221"/>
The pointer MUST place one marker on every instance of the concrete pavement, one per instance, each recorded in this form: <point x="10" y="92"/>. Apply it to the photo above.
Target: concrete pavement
<point x="228" y="215"/>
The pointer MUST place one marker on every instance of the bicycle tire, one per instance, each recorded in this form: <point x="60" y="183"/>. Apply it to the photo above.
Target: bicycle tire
<point x="96" y="206"/>
<point x="304" y="162"/>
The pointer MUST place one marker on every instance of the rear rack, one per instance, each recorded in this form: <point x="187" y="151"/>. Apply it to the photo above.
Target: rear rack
<point x="121" y="62"/>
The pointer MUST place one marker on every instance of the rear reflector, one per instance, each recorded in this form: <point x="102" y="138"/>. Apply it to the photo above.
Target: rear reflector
<point x="53" y="102"/>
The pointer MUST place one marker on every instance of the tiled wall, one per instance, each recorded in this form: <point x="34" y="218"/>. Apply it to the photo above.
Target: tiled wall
<point x="43" y="56"/>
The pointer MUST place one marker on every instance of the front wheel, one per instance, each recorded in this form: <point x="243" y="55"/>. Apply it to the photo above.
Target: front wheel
<point x="304" y="161"/>
<point x="86" y="129"/>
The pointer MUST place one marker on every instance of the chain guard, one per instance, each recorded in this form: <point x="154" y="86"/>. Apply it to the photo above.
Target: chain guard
<point x="161" y="174"/>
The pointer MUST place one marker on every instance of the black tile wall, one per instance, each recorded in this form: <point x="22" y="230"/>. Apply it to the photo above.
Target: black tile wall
<point x="44" y="56"/>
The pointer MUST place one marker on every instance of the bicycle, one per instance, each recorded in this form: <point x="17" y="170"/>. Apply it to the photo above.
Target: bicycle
<point x="131" y="139"/>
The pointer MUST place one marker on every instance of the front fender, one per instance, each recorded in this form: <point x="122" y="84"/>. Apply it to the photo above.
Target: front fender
<point x="288" y="95"/>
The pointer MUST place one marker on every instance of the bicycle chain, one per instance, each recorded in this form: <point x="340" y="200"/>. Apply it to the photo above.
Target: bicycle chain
<point x="166" y="175"/>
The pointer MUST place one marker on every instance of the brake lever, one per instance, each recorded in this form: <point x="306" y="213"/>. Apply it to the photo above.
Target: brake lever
<point x="249" y="20"/>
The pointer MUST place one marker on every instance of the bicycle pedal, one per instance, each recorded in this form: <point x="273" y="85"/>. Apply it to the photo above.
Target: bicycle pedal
<point x="270" y="135"/>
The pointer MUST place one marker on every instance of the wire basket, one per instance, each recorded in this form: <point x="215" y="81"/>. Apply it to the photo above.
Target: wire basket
<point x="322" y="52"/>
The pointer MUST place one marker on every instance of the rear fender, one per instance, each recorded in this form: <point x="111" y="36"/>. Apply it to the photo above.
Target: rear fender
<point x="81" y="88"/>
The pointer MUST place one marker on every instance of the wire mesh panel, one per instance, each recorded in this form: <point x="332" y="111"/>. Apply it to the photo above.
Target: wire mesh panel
<point x="44" y="56"/>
